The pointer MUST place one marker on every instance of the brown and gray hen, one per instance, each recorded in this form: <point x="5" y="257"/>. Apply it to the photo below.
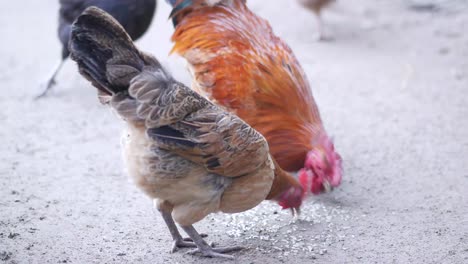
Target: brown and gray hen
<point x="190" y="156"/>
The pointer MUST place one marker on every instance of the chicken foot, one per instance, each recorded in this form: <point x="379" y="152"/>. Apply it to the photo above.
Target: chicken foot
<point x="205" y="249"/>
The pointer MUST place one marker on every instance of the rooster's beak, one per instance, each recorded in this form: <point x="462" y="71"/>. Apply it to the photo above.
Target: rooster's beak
<point x="295" y="212"/>
<point x="327" y="186"/>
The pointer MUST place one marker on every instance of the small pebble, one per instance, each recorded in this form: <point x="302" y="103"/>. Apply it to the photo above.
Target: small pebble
<point x="444" y="51"/>
<point x="13" y="235"/>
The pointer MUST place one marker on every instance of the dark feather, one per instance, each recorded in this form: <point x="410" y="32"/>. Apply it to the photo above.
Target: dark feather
<point x="178" y="9"/>
<point x="135" y="16"/>
<point x="170" y="136"/>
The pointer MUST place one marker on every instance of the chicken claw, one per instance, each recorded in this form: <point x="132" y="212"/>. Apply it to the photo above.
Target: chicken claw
<point x="186" y="242"/>
<point x="213" y="253"/>
<point x="205" y="249"/>
<point x="216" y="252"/>
<point x="177" y="244"/>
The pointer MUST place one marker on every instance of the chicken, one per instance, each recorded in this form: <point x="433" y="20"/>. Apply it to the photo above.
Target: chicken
<point x="238" y="62"/>
<point x="190" y="156"/>
<point x="134" y="15"/>
<point x="316" y="6"/>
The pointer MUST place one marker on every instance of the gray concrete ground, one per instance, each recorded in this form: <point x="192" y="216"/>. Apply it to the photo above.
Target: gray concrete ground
<point x="392" y="89"/>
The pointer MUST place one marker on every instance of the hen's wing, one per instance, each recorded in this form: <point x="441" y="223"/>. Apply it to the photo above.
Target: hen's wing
<point x="183" y="122"/>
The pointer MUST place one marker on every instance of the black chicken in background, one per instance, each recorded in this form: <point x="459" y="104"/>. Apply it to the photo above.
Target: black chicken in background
<point x="134" y="15"/>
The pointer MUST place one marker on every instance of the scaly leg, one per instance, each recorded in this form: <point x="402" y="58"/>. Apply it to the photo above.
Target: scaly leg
<point x="179" y="242"/>
<point x="205" y="249"/>
<point x="50" y="81"/>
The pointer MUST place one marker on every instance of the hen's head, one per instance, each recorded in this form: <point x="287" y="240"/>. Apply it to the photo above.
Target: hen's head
<point x="292" y="199"/>
<point x="322" y="170"/>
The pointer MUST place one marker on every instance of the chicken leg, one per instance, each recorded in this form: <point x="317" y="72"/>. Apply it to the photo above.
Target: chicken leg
<point x="50" y="82"/>
<point x="321" y="32"/>
<point x="179" y="242"/>
<point x="322" y="35"/>
<point x="205" y="249"/>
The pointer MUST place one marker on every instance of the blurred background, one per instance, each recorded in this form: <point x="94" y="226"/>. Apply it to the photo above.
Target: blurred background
<point x="391" y="81"/>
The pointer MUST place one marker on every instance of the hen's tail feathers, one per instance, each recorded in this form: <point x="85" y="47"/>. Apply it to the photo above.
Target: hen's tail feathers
<point x="105" y="53"/>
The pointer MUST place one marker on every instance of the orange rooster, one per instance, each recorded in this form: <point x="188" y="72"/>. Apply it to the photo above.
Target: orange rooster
<point x="239" y="63"/>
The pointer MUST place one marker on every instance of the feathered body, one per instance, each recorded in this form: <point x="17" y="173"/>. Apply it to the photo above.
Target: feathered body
<point x="191" y="156"/>
<point x="238" y="62"/>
